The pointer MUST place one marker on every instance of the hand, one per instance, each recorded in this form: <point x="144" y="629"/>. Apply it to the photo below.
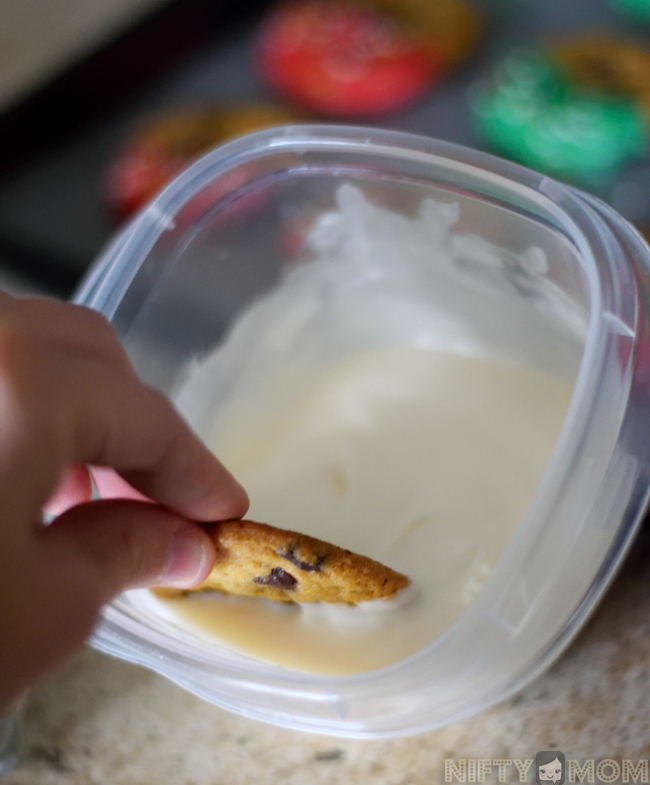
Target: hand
<point x="68" y="397"/>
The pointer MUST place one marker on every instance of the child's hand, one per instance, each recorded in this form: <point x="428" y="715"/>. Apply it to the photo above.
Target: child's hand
<point x="69" y="396"/>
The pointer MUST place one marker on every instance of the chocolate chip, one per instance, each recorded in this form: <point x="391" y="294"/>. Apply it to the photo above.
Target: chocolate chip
<point x="278" y="577"/>
<point x="305" y="566"/>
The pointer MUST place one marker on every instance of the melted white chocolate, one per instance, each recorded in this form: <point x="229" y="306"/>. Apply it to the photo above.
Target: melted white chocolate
<point x="380" y="399"/>
<point x="423" y="460"/>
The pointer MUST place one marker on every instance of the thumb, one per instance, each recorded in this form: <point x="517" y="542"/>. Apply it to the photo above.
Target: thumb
<point x="81" y="561"/>
<point x="114" y="545"/>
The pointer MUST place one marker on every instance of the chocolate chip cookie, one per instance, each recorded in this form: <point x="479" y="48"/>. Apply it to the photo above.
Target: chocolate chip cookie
<point x="263" y="561"/>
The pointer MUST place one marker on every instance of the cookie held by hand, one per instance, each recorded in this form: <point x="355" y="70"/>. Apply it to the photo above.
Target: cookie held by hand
<point x="261" y="561"/>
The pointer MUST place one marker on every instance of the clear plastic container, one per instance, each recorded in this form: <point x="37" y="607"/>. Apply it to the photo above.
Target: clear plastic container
<point x="219" y="237"/>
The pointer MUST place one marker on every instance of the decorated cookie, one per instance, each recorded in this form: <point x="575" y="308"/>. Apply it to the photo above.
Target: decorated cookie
<point x="449" y="28"/>
<point x="610" y="65"/>
<point x="348" y="58"/>
<point x="637" y="9"/>
<point x="533" y="112"/>
<point x="262" y="561"/>
<point x="164" y="145"/>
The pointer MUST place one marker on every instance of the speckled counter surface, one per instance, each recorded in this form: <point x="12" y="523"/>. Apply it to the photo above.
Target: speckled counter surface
<point x="104" y="722"/>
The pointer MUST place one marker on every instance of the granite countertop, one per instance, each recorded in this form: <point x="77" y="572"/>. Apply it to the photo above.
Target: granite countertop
<point x="101" y="721"/>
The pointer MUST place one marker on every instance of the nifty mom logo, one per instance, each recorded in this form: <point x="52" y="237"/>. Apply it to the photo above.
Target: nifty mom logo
<point x="550" y="767"/>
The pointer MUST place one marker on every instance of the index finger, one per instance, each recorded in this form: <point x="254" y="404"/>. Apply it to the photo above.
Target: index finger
<point x="136" y="431"/>
<point x="67" y="404"/>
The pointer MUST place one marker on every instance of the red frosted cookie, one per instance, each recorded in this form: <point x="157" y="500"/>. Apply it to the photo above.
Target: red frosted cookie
<point x="359" y="58"/>
<point x="164" y="145"/>
<point x="343" y="59"/>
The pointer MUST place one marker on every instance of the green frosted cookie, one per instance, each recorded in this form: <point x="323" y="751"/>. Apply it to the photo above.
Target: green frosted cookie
<point x="529" y="113"/>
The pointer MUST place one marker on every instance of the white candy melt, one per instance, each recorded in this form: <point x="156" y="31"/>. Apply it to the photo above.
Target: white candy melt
<point x="361" y="402"/>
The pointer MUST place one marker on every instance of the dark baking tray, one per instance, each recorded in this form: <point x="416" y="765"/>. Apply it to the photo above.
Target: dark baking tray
<point x="55" y="145"/>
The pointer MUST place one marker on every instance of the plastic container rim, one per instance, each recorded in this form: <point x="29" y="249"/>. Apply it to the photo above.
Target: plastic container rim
<point x="576" y="214"/>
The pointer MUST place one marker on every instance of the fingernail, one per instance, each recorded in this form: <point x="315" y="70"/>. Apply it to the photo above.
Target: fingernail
<point x="190" y="553"/>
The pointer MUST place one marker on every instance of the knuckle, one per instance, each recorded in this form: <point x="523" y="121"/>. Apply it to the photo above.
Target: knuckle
<point x="167" y="428"/>
<point x="94" y="320"/>
<point x="21" y="365"/>
<point x="166" y="412"/>
<point x="71" y="327"/>
<point x="134" y="555"/>
<point x="94" y="328"/>
<point x="15" y="343"/>
<point x="117" y="545"/>
<point x="142" y="553"/>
